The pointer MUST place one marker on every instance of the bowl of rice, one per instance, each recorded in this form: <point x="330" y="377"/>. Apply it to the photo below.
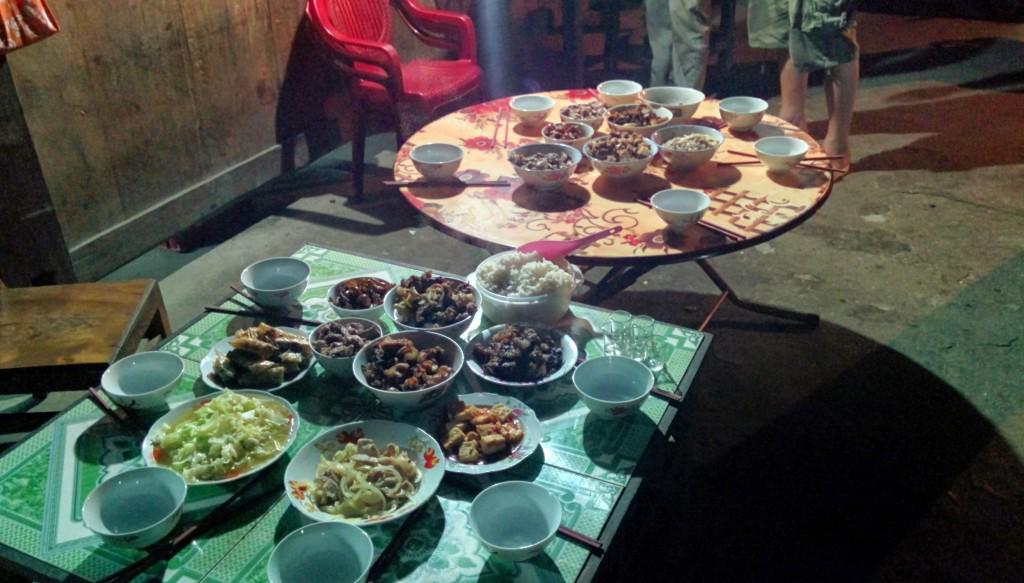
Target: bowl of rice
<point x="524" y="287"/>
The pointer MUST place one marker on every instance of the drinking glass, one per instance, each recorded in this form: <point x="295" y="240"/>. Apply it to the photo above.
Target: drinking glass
<point x="616" y="333"/>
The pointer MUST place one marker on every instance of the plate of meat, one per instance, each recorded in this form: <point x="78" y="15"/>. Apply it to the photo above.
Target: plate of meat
<point x="521" y="355"/>
<point x="262" y="357"/>
<point x="486" y="433"/>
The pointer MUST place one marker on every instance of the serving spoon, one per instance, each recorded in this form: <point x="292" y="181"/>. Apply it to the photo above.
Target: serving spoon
<point x="552" y="250"/>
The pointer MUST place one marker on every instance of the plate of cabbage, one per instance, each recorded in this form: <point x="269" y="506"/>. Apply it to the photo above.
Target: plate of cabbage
<point x="222" y="438"/>
<point x="366" y="472"/>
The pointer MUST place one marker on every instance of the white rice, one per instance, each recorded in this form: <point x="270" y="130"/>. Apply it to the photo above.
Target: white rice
<point x="521" y="275"/>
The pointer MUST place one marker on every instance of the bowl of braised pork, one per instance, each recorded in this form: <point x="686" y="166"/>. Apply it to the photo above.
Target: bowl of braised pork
<point x="359" y="297"/>
<point x="442" y="304"/>
<point x="408" y="369"/>
<point x="521" y="355"/>
<point x="336" y="343"/>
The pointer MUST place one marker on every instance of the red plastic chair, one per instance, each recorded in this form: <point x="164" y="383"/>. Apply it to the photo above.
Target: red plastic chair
<point x="358" y="34"/>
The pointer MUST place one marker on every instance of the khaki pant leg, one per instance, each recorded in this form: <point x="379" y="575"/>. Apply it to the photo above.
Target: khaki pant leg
<point x="659" y="36"/>
<point x="691" y="27"/>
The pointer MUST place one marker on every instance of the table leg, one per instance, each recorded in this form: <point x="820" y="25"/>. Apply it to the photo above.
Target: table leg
<point x="616" y="280"/>
<point x="729" y="294"/>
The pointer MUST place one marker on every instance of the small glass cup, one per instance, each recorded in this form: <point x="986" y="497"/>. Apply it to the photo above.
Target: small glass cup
<point x="616" y="333"/>
<point x="641" y="335"/>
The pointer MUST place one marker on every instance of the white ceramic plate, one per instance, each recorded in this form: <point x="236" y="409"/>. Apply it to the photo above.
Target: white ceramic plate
<point x="423" y="449"/>
<point x="224" y="346"/>
<point x="532" y="434"/>
<point x="569" y="355"/>
<point x="189" y="406"/>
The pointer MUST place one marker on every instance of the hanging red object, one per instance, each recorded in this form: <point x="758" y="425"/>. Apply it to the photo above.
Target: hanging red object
<point x="23" y="22"/>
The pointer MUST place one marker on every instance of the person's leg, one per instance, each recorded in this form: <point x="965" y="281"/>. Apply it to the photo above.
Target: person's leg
<point x="793" y="86"/>
<point x="841" y="93"/>
<point x="691" y="28"/>
<point x="659" y="36"/>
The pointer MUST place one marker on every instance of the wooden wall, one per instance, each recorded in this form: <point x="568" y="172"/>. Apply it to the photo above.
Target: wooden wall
<point x="148" y="115"/>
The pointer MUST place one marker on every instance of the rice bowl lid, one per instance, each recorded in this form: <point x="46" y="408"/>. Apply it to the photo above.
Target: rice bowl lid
<point x="474" y="280"/>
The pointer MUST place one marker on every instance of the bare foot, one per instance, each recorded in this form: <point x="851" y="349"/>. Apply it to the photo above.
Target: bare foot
<point x="841" y="164"/>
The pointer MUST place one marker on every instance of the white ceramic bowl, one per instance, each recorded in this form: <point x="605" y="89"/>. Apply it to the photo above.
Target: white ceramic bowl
<point x="618" y="92"/>
<point x="742" y="113"/>
<point x="515" y="520"/>
<point x="276" y="282"/>
<point x="681" y="101"/>
<point x="142" y="381"/>
<point x="323" y="551"/>
<point x="532" y="110"/>
<point x="373" y="313"/>
<point x="545" y="179"/>
<point x="545" y="309"/>
<point x="780" y="153"/>
<point x="680" y="207"/>
<point x="453" y="357"/>
<point x="149" y="452"/>
<point x="612" y="386"/>
<point x="594" y="122"/>
<point x="681" y="160"/>
<point x="135" y="508"/>
<point x="577" y="144"/>
<point x="452" y="331"/>
<point x="663" y="114"/>
<point x="621" y="170"/>
<point x="340" y="366"/>
<point x="570" y="353"/>
<point x="422" y="448"/>
<point x="436" y="161"/>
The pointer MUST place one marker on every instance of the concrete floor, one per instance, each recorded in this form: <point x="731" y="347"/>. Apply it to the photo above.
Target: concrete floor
<point x="884" y="444"/>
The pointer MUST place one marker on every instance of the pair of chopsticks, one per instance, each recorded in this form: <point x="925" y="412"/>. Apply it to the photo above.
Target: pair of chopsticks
<point x="256" y="310"/>
<point x="506" y="114"/>
<point x="673" y="399"/>
<point x="801" y="164"/>
<point x="455" y="183"/>
<point x="114" y="411"/>
<point x="380" y="566"/>
<point x="166" y="550"/>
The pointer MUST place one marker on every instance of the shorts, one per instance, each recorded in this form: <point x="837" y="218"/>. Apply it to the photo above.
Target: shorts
<point x="819" y="34"/>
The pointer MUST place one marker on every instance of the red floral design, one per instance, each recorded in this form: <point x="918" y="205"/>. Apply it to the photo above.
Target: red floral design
<point x="299" y="489"/>
<point x="486" y="107"/>
<point x="631" y="239"/>
<point x="350" y="436"/>
<point x="429" y="458"/>
<point x="478" y="143"/>
<point x="580" y="94"/>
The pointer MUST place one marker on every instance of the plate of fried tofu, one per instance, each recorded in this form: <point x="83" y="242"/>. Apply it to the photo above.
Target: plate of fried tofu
<point x="485" y="433"/>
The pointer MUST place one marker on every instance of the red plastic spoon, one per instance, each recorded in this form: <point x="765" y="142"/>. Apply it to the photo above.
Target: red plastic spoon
<point x="552" y="250"/>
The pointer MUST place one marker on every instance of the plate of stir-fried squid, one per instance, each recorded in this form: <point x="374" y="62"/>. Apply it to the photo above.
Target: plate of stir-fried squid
<point x="365" y="472"/>
<point x="262" y="357"/>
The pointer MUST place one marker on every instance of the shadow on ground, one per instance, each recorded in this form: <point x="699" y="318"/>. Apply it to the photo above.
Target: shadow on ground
<point x="823" y="456"/>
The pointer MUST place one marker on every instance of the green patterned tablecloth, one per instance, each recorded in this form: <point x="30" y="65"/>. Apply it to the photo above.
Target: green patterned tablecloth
<point x="586" y="462"/>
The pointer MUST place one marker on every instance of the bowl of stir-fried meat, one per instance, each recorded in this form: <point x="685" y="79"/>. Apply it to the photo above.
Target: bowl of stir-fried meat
<point x="485" y="432"/>
<point x="441" y="304"/>
<point x="408" y="369"/>
<point x="336" y="343"/>
<point x="261" y="357"/>
<point x="620" y="155"/>
<point x="359" y="297"/>
<point x="545" y="166"/>
<point x="637" y="117"/>
<point x="521" y="355"/>
<point x="686" y="147"/>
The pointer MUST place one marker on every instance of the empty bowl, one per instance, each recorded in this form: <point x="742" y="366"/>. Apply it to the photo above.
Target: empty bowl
<point x="680" y="158"/>
<point x="136" y="508"/>
<point x="276" y="282"/>
<point x="142" y="381"/>
<point x="453" y="357"/>
<point x="550" y="135"/>
<point x="532" y="110"/>
<point x="323" y="551"/>
<point x="663" y="116"/>
<point x="612" y="386"/>
<point x="681" y="101"/>
<point x="340" y="366"/>
<point x="618" y="92"/>
<point x="680" y="207"/>
<point x="545" y="179"/>
<point x="515" y="520"/>
<point x="436" y="161"/>
<point x="742" y="113"/>
<point x="780" y="153"/>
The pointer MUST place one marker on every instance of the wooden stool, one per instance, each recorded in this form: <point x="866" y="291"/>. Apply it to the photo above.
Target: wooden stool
<point x="62" y="337"/>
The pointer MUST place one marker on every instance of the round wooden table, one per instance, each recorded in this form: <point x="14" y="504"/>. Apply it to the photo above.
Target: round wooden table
<point x="748" y="205"/>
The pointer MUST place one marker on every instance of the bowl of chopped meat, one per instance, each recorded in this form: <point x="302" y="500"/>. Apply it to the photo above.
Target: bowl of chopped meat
<point x="591" y="113"/>
<point x="521" y="355"/>
<point x="686" y="147"/>
<point x="409" y="369"/>
<point x="638" y="117"/>
<point x="442" y="304"/>
<point x="572" y="133"/>
<point x="620" y="155"/>
<point x="359" y="297"/>
<point x="336" y="343"/>
<point x="545" y="166"/>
